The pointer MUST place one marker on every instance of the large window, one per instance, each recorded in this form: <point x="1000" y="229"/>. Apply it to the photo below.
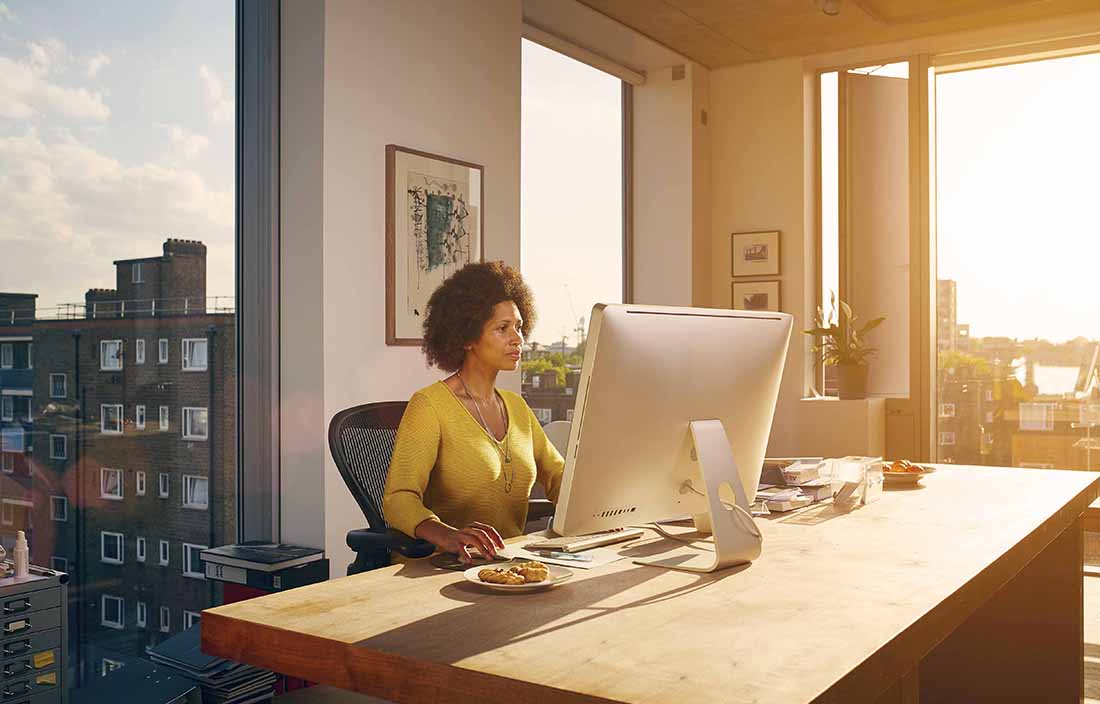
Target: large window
<point x="572" y="216"/>
<point x="118" y="256"/>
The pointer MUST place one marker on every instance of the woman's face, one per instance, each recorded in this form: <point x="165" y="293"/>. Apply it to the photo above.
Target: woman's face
<point x="501" y="341"/>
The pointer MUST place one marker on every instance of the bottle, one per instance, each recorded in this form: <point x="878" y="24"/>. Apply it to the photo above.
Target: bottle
<point x="20" y="555"/>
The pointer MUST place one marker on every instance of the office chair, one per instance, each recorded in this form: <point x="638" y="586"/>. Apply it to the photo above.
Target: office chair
<point x="361" y="440"/>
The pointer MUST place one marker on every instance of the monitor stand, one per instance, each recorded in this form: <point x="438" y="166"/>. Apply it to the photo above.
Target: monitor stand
<point x="737" y="539"/>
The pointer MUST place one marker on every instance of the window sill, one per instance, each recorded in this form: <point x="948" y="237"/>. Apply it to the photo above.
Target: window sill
<point x="196" y="507"/>
<point x="111" y="498"/>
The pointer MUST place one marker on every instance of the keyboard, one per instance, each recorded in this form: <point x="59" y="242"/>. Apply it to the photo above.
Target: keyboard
<point x="577" y="543"/>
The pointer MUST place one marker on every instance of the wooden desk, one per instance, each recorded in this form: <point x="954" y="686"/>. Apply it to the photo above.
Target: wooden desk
<point x="966" y="590"/>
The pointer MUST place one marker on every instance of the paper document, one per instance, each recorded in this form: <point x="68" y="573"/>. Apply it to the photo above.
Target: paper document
<point x="599" y="557"/>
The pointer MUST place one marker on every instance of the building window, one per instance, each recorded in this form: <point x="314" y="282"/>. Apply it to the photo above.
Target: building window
<point x="163" y="418"/>
<point x="13" y="440"/>
<point x="140" y="549"/>
<point x="190" y="618"/>
<point x="59" y="508"/>
<point x="137" y="272"/>
<point x="947" y="410"/>
<point x="195" y="492"/>
<point x="164" y="553"/>
<point x="194" y="424"/>
<point x="989" y="416"/>
<point x="110" y="547"/>
<point x="165" y="619"/>
<point x="194" y="354"/>
<point x="7" y="513"/>
<point x="7" y="408"/>
<point x="139" y="416"/>
<point x="110" y="418"/>
<point x="544" y="415"/>
<point x="947" y="437"/>
<point x="7" y="462"/>
<point x="163" y="483"/>
<point x="111" y="616"/>
<point x="569" y="414"/>
<point x="192" y="563"/>
<point x="139" y="483"/>
<point x="59" y="447"/>
<point x="110" y="484"/>
<point x="110" y="355"/>
<point x="989" y="394"/>
<point x="107" y="665"/>
<point x="1037" y="416"/>
<point x="142" y="614"/>
<point x="59" y="564"/>
<point x="7" y="355"/>
<point x="59" y="385"/>
<point x="139" y="352"/>
<point x="162" y="350"/>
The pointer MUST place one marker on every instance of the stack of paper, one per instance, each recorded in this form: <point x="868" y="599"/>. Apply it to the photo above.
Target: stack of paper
<point x="222" y="681"/>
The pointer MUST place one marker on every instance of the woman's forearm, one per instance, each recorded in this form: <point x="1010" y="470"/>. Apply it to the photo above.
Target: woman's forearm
<point x="435" y="532"/>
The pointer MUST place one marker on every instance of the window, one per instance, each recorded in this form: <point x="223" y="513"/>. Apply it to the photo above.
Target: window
<point x="947" y="410"/>
<point x="190" y="618"/>
<point x="111" y="617"/>
<point x="195" y="492"/>
<point x="162" y="351"/>
<point x="7" y="462"/>
<point x="989" y="417"/>
<point x="192" y="563"/>
<point x="13" y="440"/>
<point x="59" y="508"/>
<point x="111" y="484"/>
<point x="989" y="394"/>
<point x="139" y="483"/>
<point x="110" y="547"/>
<point x="7" y="355"/>
<point x="164" y="480"/>
<point x="59" y="564"/>
<point x="165" y="619"/>
<point x="140" y="546"/>
<point x="136" y="271"/>
<point x="194" y="424"/>
<point x="569" y="414"/>
<point x="1037" y="416"/>
<point x="110" y="355"/>
<point x="7" y="513"/>
<point x="163" y="417"/>
<point x="194" y="354"/>
<point x="59" y="447"/>
<point x="30" y="356"/>
<point x="139" y="351"/>
<point x="59" y="385"/>
<point x="139" y="416"/>
<point x="544" y="415"/>
<point x="110" y="418"/>
<point x="107" y="665"/>
<point x="142" y="614"/>
<point x="164" y="552"/>
<point x="947" y="437"/>
<point x="7" y="408"/>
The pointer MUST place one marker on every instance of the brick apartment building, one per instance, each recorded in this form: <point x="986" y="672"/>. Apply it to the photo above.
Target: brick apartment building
<point x="118" y="425"/>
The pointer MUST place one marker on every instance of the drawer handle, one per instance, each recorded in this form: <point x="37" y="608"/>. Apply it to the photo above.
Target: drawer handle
<point x="23" y="646"/>
<point x="25" y="686"/>
<point x="24" y="666"/>
<point x="14" y="607"/>
<point x="19" y="626"/>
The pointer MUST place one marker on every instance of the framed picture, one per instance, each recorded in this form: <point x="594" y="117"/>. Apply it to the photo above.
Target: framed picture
<point x="434" y="208"/>
<point x="756" y="295"/>
<point x="755" y="253"/>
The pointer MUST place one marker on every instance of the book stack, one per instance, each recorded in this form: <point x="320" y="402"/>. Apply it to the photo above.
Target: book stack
<point x="267" y="566"/>
<point x="793" y="482"/>
<point x="221" y="681"/>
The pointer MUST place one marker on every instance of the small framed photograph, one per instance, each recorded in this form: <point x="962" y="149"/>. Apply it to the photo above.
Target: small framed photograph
<point x="755" y="253"/>
<point x="756" y="295"/>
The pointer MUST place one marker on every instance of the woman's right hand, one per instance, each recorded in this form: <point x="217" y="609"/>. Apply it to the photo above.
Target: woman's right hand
<point x="480" y="536"/>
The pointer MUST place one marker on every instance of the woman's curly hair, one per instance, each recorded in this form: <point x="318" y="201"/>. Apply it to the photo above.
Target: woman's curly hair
<point x="458" y="310"/>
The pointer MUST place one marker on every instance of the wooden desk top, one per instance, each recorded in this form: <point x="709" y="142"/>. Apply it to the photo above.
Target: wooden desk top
<point x="838" y="607"/>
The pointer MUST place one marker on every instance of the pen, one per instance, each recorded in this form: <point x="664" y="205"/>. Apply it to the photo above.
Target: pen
<point x="563" y="555"/>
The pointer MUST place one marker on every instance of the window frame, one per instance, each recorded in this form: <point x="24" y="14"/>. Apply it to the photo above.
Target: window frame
<point x="7" y="355"/>
<point x="141" y="547"/>
<point x="64" y="384"/>
<point x="943" y="435"/>
<point x="7" y="407"/>
<point x="103" y="418"/>
<point x="185" y="356"/>
<point x="139" y="351"/>
<point x="64" y="448"/>
<point x="103" y="484"/>
<point x="121" y="541"/>
<point x="139" y="483"/>
<point x="7" y="462"/>
<point x="103" y="356"/>
<point x="164" y="553"/>
<point x="164" y="415"/>
<point x="141" y="617"/>
<point x="188" y="492"/>
<point x="139" y="416"/>
<point x="117" y="625"/>
<point x="65" y="509"/>
<point x="164" y="485"/>
<point x="186" y="423"/>
<point x="165" y="619"/>
<point x="162" y="350"/>
<point x="187" y="566"/>
<point x="7" y="513"/>
<point x="190" y="618"/>
<point x="136" y="273"/>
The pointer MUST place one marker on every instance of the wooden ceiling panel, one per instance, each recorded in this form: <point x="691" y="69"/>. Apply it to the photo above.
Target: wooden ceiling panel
<point x="726" y="32"/>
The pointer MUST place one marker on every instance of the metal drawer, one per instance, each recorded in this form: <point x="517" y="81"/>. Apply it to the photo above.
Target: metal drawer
<point x="33" y="643"/>
<point x="31" y="601"/>
<point x="28" y="688"/>
<point x="35" y="662"/>
<point x="25" y="624"/>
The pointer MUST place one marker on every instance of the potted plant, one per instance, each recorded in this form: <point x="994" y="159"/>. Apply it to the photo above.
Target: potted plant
<point x="844" y="345"/>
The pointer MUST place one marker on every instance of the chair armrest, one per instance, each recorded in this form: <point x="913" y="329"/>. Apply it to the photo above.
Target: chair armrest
<point x="538" y="509"/>
<point x="390" y="539"/>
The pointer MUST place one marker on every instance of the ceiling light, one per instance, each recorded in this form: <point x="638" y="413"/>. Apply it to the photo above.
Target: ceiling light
<point x="830" y="7"/>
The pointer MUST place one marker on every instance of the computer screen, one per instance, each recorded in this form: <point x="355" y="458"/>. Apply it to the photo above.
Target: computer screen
<point x="648" y="372"/>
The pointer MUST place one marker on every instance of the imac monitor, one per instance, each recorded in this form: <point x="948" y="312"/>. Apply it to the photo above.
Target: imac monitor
<point x="654" y="381"/>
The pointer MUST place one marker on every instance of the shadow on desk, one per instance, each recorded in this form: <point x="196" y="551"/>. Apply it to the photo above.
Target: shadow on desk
<point x="489" y="620"/>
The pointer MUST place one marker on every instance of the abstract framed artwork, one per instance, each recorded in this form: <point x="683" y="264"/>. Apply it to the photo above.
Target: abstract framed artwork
<point x="755" y="295"/>
<point x="434" y="208"/>
<point x="755" y="253"/>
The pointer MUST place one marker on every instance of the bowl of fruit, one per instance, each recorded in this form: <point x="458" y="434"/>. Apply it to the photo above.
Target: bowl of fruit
<point x="903" y="472"/>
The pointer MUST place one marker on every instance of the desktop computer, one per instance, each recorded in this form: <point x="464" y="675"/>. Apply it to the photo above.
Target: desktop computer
<point x="673" y="412"/>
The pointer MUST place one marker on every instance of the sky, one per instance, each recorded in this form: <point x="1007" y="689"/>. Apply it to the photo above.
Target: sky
<point x="1018" y="190"/>
<point x="116" y="133"/>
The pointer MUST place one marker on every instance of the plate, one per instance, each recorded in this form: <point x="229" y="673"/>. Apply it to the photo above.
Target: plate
<point x="557" y="576"/>
<point x="902" y="477"/>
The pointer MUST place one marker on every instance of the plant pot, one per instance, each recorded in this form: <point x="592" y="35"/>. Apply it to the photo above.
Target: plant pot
<point x="851" y="380"/>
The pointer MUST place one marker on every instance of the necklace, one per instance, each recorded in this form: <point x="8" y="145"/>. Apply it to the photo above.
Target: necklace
<point x="505" y="453"/>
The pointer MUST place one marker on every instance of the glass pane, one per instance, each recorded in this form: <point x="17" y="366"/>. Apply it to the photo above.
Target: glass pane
<point x="572" y="164"/>
<point x="117" y="147"/>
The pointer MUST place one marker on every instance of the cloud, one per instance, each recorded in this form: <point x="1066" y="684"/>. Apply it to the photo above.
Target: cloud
<point x="94" y="64"/>
<point x="6" y="14"/>
<point x="186" y="143"/>
<point x="219" y="105"/>
<point x="26" y="89"/>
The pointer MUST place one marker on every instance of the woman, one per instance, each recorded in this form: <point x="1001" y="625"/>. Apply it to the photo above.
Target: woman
<point x="467" y="453"/>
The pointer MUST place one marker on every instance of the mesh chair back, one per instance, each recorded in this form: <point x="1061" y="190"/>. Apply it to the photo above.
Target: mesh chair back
<point x="361" y="440"/>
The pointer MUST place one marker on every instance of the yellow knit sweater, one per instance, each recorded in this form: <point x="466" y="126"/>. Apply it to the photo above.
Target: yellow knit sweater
<point x="446" y="466"/>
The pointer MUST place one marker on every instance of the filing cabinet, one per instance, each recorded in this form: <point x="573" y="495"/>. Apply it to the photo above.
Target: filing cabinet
<point x="33" y="638"/>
